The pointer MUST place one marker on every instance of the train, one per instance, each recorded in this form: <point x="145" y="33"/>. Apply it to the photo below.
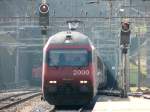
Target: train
<point x="72" y="69"/>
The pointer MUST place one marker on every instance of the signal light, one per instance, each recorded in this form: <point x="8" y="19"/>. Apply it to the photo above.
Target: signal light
<point x="125" y="34"/>
<point x="44" y="14"/>
<point x="44" y="8"/>
<point x="125" y="26"/>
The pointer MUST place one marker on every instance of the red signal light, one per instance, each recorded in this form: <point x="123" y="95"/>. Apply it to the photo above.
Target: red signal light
<point x="44" y="8"/>
<point x="125" y="26"/>
<point x="43" y="15"/>
<point x="125" y="33"/>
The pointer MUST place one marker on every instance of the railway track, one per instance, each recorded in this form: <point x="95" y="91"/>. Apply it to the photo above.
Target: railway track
<point x="18" y="90"/>
<point x="12" y="100"/>
<point x="81" y="109"/>
<point x="85" y="108"/>
<point x="65" y="110"/>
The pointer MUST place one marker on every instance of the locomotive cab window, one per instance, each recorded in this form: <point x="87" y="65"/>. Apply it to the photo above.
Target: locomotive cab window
<point x="71" y="57"/>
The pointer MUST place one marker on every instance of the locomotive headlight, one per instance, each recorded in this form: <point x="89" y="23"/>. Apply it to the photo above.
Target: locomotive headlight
<point x="52" y="82"/>
<point x="83" y="82"/>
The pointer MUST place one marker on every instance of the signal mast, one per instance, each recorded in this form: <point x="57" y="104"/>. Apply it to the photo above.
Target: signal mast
<point x="44" y="16"/>
<point x="124" y="43"/>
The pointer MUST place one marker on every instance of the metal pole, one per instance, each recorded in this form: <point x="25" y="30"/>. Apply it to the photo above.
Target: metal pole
<point x="44" y="39"/>
<point x="139" y="63"/>
<point x="129" y="74"/>
<point x="17" y="67"/>
<point x="17" y="60"/>
<point x="124" y="72"/>
<point x="110" y="15"/>
<point x="125" y="75"/>
<point x="43" y="1"/>
<point x="33" y="3"/>
<point x="17" y="56"/>
<point x="44" y="35"/>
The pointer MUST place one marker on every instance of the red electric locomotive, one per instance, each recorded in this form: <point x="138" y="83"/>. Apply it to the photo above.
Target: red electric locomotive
<point x="72" y="69"/>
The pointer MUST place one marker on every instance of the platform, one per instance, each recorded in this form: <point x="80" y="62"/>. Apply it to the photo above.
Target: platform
<point x="117" y="104"/>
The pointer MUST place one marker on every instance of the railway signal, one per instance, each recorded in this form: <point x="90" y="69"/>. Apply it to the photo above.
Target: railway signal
<point x="124" y="42"/>
<point x="44" y="14"/>
<point x="125" y="34"/>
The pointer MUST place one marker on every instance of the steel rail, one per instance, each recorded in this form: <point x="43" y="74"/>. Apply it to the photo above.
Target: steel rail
<point x="16" y="95"/>
<point x="20" y="101"/>
<point x="79" y="17"/>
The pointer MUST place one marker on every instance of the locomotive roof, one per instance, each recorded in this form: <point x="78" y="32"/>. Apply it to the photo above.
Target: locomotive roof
<point x="74" y="37"/>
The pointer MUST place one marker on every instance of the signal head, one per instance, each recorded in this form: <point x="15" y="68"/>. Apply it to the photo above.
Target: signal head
<point x="125" y="26"/>
<point x="44" y="8"/>
<point x="125" y="33"/>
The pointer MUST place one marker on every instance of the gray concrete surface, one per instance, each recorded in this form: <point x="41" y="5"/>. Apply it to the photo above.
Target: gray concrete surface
<point x="116" y="104"/>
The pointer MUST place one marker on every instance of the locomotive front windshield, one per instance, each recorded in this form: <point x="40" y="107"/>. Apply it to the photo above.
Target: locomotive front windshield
<point x="68" y="58"/>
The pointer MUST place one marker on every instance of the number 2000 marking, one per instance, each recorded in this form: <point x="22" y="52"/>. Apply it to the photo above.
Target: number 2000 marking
<point x="81" y="72"/>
